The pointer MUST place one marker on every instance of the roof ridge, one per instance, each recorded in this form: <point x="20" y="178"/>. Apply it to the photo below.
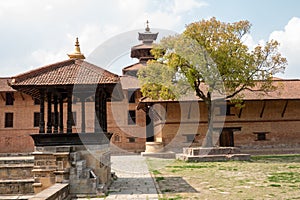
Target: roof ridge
<point x="94" y="67"/>
<point x="43" y="69"/>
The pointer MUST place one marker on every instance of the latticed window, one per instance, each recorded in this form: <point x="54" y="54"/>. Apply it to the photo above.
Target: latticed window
<point x="117" y="138"/>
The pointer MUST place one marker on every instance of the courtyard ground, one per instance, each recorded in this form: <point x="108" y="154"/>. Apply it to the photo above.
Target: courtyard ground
<point x="264" y="177"/>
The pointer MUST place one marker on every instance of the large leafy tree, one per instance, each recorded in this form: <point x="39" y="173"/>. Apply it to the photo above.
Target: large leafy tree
<point x="210" y="58"/>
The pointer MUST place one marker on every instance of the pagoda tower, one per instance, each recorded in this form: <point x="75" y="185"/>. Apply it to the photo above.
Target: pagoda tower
<point x="141" y="51"/>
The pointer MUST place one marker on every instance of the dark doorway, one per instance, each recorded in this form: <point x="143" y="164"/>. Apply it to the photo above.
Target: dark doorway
<point x="227" y="137"/>
<point x="149" y="128"/>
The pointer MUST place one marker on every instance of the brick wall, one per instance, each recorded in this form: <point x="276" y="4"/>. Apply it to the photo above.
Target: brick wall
<point x="280" y="121"/>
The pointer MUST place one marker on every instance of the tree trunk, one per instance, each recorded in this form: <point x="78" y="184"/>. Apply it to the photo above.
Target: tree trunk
<point x="208" y="141"/>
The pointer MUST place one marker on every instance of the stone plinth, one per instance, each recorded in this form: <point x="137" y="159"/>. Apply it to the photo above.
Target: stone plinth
<point x="154" y="147"/>
<point x="201" y="154"/>
<point x="156" y="150"/>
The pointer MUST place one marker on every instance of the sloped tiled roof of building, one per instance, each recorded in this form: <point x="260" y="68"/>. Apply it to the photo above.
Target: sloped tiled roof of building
<point x="4" y="87"/>
<point x="135" y="66"/>
<point x="285" y="89"/>
<point x="68" y="72"/>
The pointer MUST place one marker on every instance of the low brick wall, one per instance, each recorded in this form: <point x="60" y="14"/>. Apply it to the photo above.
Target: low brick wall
<point x="55" y="192"/>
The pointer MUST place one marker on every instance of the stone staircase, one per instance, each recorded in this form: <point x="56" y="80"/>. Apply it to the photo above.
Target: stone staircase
<point x="16" y="178"/>
<point x="82" y="178"/>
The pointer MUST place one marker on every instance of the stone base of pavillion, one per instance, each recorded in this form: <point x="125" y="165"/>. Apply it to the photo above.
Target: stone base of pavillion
<point x="80" y="160"/>
<point x="212" y="154"/>
<point x="157" y="150"/>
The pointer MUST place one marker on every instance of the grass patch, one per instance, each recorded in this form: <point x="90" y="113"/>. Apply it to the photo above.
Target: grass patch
<point x="285" y="177"/>
<point x="191" y="166"/>
<point x="263" y="177"/>
<point x="159" y="178"/>
<point x="277" y="158"/>
<point x="275" y="185"/>
<point x="156" y="172"/>
<point x="177" y="197"/>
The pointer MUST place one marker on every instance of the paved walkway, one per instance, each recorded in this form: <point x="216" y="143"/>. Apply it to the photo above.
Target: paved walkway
<point x="134" y="180"/>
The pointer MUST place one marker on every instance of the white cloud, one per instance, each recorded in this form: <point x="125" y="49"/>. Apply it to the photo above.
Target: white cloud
<point x="250" y="42"/>
<point x="45" y="31"/>
<point x="187" y="5"/>
<point x="44" y="57"/>
<point x="289" y="40"/>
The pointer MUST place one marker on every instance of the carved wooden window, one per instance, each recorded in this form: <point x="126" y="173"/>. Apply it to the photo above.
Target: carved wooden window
<point x="117" y="138"/>
<point x="261" y="136"/>
<point x="131" y="117"/>
<point x="9" y="98"/>
<point x="131" y="139"/>
<point x="9" y="120"/>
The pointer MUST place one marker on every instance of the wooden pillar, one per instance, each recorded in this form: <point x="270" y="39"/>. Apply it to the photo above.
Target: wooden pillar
<point x="61" y="115"/>
<point x="55" y="99"/>
<point x="97" y="127"/>
<point x="103" y="118"/>
<point x="69" y="113"/>
<point x="42" y="112"/>
<point x="83" y="115"/>
<point x="49" y="113"/>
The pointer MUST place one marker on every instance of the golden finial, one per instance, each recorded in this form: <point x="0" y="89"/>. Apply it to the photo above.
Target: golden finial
<point x="77" y="53"/>
<point x="147" y="29"/>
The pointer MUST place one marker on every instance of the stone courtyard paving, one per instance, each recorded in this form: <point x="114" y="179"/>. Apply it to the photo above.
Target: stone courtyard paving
<point x="134" y="180"/>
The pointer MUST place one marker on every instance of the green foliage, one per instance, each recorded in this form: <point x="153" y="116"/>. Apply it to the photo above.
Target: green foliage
<point x="159" y="82"/>
<point x="209" y="58"/>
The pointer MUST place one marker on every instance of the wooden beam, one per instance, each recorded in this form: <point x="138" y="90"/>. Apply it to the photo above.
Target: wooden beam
<point x="23" y="98"/>
<point x="262" y="110"/>
<point x="3" y="97"/>
<point x="284" y="108"/>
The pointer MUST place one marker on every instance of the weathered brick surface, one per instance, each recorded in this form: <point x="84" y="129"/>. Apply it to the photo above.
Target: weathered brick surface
<point x="281" y="125"/>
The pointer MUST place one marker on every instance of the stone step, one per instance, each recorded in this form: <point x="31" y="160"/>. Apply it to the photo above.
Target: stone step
<point x="16" y="172"/>
<point x="16" y="168"/>
<point x="166" y="155"/>
<point x="21" y="186"/>
<point x="16" y="160"/>
<point x="13" y="197"/>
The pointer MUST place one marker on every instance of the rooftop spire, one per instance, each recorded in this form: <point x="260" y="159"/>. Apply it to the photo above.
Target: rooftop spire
<point x="147" y="36"/>
<point x="77" y="53"/>
<point x="147" y="29"/>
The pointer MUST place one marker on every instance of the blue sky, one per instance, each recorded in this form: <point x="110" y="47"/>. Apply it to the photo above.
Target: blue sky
<point x="34" y="33"/>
